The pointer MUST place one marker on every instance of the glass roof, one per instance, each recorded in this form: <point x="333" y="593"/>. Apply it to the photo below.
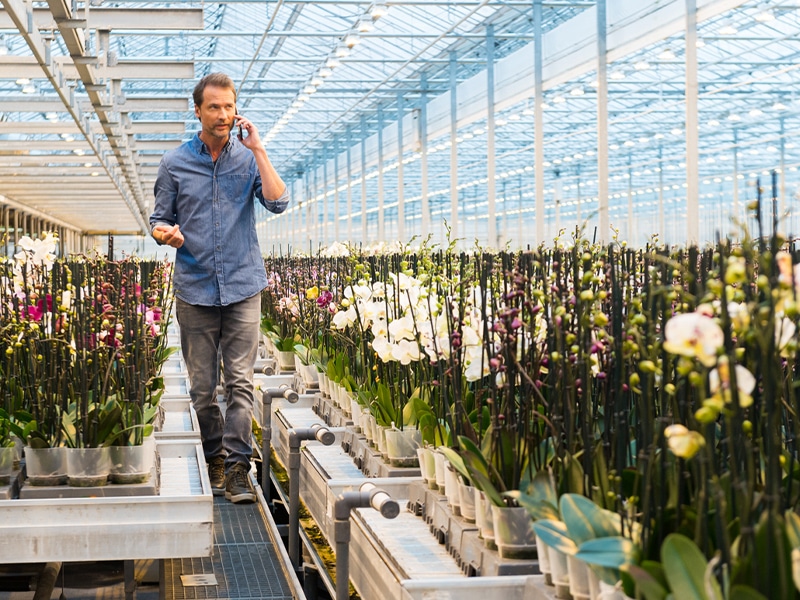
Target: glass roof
<point x="107" y="85"/>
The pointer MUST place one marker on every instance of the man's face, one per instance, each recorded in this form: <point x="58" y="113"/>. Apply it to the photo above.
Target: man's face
<point x="217" y="111"/>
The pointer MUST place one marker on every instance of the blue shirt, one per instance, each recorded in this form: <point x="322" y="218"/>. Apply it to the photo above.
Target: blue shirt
<point x="220" y="261"/>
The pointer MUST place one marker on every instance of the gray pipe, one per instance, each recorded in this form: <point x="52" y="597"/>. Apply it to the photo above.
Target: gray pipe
<point x="296" y="435"/>
<point x="368" y="495"/>
<point x="282" y="391"/>
<point x="47" y="581"/>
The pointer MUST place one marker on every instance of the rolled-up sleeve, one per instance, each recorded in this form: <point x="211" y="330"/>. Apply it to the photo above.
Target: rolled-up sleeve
<point x="166" y="192"/>
<point x="275" y="206"/>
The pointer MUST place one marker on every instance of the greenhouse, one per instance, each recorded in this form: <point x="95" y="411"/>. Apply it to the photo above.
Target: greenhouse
<point x="399" y="299"/>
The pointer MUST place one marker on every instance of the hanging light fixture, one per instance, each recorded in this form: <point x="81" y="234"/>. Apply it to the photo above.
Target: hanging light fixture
<point x="764" y="13"/>
<point x="666" y="54"/>
<point x="342" y="51"/>
<point x="728" y="29"/>
<point x="351" y="39"/>
<point x="378" y="10"/>
<point x="365" y="25"/>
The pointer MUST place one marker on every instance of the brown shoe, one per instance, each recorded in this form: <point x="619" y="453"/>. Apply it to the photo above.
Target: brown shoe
<point x="216" y="475"/>
<point x="238" y="486"/>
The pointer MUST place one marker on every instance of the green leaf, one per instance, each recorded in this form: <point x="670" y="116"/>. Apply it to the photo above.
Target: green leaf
<point x="745" y="592"/>
<point x="612" y="552"/>
<point x="684" y="566"/>
<point x="585" y="520"/>
<point x="554" y="534"/>
<point x="793" y="528"/>
<point x="537" y="508"/>
<point x="646" y="584"/>
<point x="455" y="460"/>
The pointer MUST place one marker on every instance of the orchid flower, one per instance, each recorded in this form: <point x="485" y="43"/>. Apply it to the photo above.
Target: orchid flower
<point x="683" y="442"/>
<point x="694" y="335"/>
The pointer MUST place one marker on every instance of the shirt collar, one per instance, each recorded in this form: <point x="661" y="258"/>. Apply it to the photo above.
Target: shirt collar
<point x="199" y="146"/>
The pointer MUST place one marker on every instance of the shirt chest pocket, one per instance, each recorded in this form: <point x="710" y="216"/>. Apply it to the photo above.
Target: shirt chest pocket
<point x="235" y="188"/>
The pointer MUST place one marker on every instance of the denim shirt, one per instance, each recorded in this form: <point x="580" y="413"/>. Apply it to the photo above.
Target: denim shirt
<point x="220" y="261"/>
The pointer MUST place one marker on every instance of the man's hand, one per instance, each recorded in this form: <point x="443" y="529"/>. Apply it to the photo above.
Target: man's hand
<point x="250" y="138"/>
<point x="171" y="236"/>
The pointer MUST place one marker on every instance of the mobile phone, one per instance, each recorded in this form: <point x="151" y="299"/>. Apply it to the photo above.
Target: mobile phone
<point x="241" y="134"/>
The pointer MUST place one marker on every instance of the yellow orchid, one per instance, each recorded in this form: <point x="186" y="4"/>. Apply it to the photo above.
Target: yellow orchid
<point x="683" y="442"/>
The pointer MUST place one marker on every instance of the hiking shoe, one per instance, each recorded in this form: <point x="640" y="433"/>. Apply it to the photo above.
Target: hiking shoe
<point x="238" y="487"/>
<point x="216" y="475"/>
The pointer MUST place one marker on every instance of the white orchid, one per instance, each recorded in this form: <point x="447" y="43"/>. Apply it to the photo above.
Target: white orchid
<point x="406" y="351"/>
<point x="403" y="328"/>
<point x="383" y="348"/>
<point x="336" y="249"/>
<point x="344" y="318"/>
<point x="39" y="252"/>
<point x="695" y="335"/>
<point x="719" y="382"/>
<point x="784" y="332"/>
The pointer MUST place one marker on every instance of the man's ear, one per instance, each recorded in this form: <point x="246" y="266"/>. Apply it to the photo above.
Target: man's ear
<point x="197" y="112"/>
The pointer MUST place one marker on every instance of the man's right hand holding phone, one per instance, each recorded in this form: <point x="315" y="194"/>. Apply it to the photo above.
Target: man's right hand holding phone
<point x="170" y="236"/>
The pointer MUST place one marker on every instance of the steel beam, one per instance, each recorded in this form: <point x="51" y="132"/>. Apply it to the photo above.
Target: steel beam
<point x="692" y="155"/>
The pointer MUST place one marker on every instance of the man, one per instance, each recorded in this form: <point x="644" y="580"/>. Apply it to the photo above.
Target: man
<point x="204" y="207"/>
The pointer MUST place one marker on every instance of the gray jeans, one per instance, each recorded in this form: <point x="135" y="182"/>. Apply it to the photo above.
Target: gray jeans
<point x="230" y="332"/>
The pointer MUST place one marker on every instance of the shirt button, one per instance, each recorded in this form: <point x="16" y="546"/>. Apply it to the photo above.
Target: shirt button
<point x="217" y="247"/>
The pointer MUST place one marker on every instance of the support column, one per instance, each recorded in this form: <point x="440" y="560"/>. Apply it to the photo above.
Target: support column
<point x="692" y="155"/>
<point x="662" y="223"/>
<point x="538" y="122"/>
<point x="631" y="229"/>
<point x="782" y="167"/>
<point x="401" y="207"/>
<point x="349" y="199"/>
<point x="8" y="249"/>
<point x="558" y="190"/>
<point x="602" y="123"/>
<point x="453" y="146"/>
<point x="491" y="184"/>
<point x="578" y="198"/>
<point x="363" y="179"/>
<point x="381" y="214"/>
<point x="294" y="211"/>
<point x="736" y="208"/>
<point x="307" y="216"/>
<point x="423" y="148"/>
<point x="324" y="200"/>
<point x="336" y="211"/>
<point x="318" y="226"/>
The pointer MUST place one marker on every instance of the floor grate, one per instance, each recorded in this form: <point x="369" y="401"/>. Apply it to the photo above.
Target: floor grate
<point x="245" y="563"/>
